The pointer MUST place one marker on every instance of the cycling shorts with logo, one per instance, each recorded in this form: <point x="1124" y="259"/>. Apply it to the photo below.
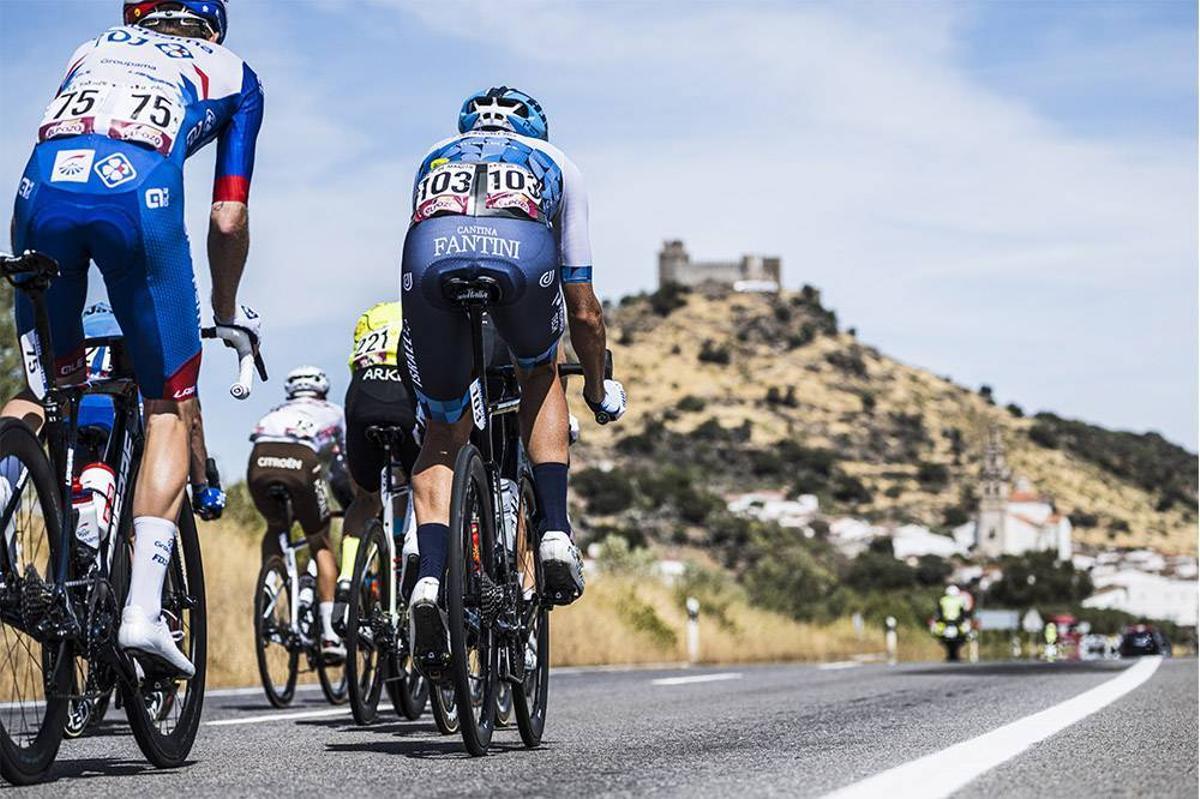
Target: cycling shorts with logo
<point x="378" y="396"/>
<point x="297" y="469"/>
<point x="91" y="198"/>
<point x="522" y="256"/>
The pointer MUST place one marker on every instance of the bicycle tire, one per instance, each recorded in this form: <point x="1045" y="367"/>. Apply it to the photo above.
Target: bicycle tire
<point x="370" y="586"/>
<point x="148" y="711"/>
<point x="410" y="691"/>
<point x="530" y="696"/>
<point x="23" y="764"/>
<point x="273" y="593"/>
<point x="470" y="565"/>
<point x="445" y="709"/>
<point x="334" y="683"/>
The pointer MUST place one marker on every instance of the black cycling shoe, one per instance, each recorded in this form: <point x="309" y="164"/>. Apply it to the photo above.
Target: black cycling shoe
<point x="341" y="604"/>
<point x="427" y="632"/>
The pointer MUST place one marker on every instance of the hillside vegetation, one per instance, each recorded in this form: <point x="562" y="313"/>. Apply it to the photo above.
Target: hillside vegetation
<point x="733" y="392"/>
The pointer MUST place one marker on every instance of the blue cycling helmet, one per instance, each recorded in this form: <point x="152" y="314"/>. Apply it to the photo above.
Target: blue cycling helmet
<point x="503" y="108"/>
<point x="211" y="12"/>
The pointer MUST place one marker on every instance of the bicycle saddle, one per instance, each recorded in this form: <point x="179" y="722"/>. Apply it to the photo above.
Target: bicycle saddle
<point x="386" y="435"/>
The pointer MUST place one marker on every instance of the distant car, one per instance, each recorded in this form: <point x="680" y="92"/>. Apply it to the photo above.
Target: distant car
<point x="1144" y="639"/>
<point x="1095" y="647"/>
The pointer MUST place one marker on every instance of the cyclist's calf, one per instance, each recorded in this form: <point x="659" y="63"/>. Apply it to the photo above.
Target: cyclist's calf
<point x="159" y="490"/>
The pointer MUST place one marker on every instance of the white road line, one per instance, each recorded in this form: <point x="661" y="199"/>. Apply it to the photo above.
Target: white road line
<point x="942" y="773"/>
<point x="840" y="664"/>
<point x="726" y="675"/>
<point x="255" y="690"/>
<point x="304" y="714"/>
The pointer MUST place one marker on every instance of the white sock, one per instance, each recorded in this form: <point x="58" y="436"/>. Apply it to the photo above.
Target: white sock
<point x="326" y="609"/>
<point x="154" y="539"/>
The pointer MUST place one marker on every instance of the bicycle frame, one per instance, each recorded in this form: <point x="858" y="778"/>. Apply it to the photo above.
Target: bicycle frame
<point x="289" y="550"/>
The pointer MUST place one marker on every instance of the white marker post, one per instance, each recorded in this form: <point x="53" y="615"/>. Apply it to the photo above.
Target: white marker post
<point x="889" y="640"/>
<point x="693" y="630"/>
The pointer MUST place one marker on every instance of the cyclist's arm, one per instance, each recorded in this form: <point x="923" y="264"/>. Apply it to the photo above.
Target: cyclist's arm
<point x="229" y="222"/>
<point x="585" y="316"/>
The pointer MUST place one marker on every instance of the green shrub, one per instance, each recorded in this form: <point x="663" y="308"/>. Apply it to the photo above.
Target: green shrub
<point x="616" y="556"/>
<point x="669" y="297"/>
<point x="933" y="570"/>
<point x="711" y="352"/>
<point x="644" y="619"/>
<point x="876" y="571"/>
<point x="605" y="492"/>
<point x="850" y="490"/>
<point x="933" y="476"/>
<point x="691" y="404"/>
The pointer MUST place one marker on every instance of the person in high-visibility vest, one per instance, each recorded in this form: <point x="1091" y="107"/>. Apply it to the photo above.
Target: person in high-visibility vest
<point x="951" y="606"/>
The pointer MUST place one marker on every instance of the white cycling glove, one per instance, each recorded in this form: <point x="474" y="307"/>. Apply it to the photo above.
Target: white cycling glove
<point x="612" y="407"/>
<point x="245" y="319"/>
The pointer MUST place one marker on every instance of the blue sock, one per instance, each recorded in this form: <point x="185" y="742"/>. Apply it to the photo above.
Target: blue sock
<point x="550" y="486"/>
<point x="433" y="541"/>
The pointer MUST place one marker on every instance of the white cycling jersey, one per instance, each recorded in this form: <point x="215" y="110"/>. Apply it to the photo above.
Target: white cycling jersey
<point x="316" y="423"/>
<point x="555" y="194"/>
<point x="169" y="93"/>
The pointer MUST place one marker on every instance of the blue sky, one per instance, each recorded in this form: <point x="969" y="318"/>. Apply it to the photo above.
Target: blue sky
<point x="1005" y="193"/>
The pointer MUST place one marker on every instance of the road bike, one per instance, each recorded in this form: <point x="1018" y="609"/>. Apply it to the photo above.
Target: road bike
<point x="377" y="650"/>
<point x="286" y="620"/>
<point x="65" y="562"/>
<point x="498" y="613"/>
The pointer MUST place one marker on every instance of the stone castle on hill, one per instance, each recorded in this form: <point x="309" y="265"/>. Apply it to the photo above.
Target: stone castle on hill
<point x="751" y="273"/>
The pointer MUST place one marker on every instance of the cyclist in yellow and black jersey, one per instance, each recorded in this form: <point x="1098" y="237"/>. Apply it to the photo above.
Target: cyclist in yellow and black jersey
<point x="380" y="393"/>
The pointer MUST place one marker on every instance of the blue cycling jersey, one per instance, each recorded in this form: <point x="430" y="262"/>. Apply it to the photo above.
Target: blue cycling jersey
<point x="169" y="94"/>
<point x="105" y="185"/>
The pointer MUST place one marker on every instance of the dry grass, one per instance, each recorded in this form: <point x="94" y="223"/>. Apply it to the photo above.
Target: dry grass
<point x="619" y="620"/>
<point x="231" y="562"/>
<point x="609" y="626"/>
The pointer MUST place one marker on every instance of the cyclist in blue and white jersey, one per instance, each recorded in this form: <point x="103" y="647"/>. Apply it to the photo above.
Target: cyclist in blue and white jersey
<point x="105" y="184"/>
<point x="499" y="199"/>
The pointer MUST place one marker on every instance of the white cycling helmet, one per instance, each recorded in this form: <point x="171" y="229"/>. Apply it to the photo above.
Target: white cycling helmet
<point x="306" y="381"/>
<point x="952" y="590"/>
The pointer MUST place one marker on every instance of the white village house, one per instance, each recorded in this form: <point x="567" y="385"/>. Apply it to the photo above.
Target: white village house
<point x="1013" y="521"/>
<point x="1146" y="595"/>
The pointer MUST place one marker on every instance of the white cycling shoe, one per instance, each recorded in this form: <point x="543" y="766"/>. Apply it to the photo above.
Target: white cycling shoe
<point x="562" y="566"/>
<point x="427" y="630"/>
<point x="333" y="651"/>
<point x="153" y="640"/>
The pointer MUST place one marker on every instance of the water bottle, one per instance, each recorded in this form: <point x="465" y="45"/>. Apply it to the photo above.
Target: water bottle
<point x="101" y="480"/>
<point x="87" y="528"/>
<point x="511" y="501"/>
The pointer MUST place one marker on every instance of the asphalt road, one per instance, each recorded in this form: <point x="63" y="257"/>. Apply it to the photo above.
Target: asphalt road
<point x="753" y="731"/>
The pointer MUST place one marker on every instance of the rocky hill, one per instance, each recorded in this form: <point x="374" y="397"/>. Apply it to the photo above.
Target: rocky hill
<point x="732" y="392"/>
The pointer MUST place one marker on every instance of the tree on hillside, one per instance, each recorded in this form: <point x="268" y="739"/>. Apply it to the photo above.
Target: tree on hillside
<point x="11" y="376"/>
<point x="1036" y="580"/>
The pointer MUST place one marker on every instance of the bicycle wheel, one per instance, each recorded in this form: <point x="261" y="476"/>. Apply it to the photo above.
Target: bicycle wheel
<point x="35" y="671"/>
<point x="164" y="712"/>
<point x="409" y="690"/>
<point x="445" y="709"/>
<point x="504" y="703"/>
<point x="529" y="697"/>
<point x="335" y="684"/>
<point x="472" y="600"/>
<point x="367" y="654"/>
<point x="278" y="659"/>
